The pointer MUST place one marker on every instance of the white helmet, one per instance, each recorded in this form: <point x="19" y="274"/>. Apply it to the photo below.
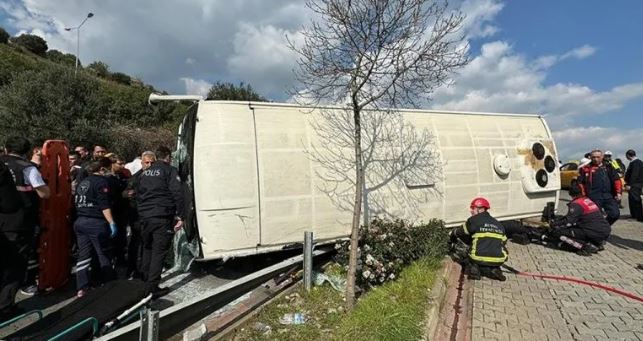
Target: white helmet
<point x="584" y="162"/>
<point x="608" y="153"/>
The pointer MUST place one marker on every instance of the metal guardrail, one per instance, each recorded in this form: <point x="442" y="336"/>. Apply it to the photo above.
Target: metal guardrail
<point x="176" y="318"/>
<point x="90" y="320"/>
<point x="20" y="317"/>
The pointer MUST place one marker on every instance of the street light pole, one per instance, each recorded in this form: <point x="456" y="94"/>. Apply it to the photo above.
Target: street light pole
<point x="77" y="28"/>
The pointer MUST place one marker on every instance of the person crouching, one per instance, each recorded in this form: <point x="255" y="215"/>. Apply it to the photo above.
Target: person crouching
<point x="486" y="238"/>
<point x="583" y="229"/>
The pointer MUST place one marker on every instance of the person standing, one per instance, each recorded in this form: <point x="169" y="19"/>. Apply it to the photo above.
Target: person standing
<point x="32" y="188"/>
<point x="160" y="209"/>
<point x="134" y="249"/>
<point x="634" y="181"/>
<point x="12" y="263"/>
<point x="118" y="178"/>
<point x="94" y="225"/>
<point x="84" y="154"/>
<point x="74" y="170"/>
<point x="601" y="183"/>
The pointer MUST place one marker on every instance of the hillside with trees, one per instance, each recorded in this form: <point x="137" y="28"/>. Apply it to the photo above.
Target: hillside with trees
<point x="41" y="97"/>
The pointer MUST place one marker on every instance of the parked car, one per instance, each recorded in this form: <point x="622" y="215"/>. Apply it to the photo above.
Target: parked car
<point x="568" y="174"/>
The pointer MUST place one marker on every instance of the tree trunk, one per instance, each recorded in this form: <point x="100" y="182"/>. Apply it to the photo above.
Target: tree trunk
<point x="357" y="208"/>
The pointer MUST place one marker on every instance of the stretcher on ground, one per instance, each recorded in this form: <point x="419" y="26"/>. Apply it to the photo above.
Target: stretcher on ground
<point x="100" y="311"/>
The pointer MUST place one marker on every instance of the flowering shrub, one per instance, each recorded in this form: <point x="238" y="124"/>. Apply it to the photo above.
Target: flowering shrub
<point x="386" y="246"/>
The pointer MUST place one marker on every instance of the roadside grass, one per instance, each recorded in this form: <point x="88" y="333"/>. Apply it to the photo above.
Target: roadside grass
<point x="393" y="311"/>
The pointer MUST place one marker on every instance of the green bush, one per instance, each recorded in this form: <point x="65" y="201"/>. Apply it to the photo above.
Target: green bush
<point x="4" y="36"/>
<point x="121" y="78"/>
<point x="56" y="103"/>
<point x="99" y="68"/>
<point x="387" y="246"/>
<point x="231" y="92"/>
<point x="62" y="58"/>
<point x="130" y="141"/>
<point x="31" y="42"/>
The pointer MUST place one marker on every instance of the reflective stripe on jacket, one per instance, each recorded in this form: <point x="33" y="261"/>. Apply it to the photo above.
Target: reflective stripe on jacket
<point x="487" y="239"/>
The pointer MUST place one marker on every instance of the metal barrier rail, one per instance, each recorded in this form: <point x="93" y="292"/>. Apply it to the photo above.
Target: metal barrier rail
<point x="20" y="317"/>
<point x="176" y="318"/>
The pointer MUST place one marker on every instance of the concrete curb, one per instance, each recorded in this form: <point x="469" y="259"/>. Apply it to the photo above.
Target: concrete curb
<point x="437" y="299"/>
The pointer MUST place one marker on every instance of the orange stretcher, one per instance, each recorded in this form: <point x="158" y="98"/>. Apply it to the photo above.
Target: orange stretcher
<point x="55" y="237"/>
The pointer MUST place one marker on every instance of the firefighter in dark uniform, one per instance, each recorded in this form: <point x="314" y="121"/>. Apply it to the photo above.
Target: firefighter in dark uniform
<point x="31" y="188"/>
<point x="94" y="225"/>
<point x="600" y="182"/>
<point x="583" y="229"/>
<point x="160" y="208"/>
<point x="486" y="238"/>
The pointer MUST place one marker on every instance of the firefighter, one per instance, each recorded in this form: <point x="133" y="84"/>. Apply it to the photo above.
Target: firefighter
<point x="32" y="188"/>
<point x="601" y="183"/>
<point x="94" y="225"/>
<point x="612" y="162"/>
<point x="619" y="167"/>
<point x="160" y="208"/>
<point x="486" y="238"/>
<point x="583" y="229"/>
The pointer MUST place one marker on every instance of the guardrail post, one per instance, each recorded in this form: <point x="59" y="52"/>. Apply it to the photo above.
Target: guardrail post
<point x="308" y="260"/>
<point x="149" y="325"/>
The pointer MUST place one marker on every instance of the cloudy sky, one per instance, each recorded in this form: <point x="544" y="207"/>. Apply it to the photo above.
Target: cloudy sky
<point x="577" y="62"/>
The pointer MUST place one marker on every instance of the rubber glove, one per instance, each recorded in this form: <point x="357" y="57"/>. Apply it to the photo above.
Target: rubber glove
<point x="112" y="227"/>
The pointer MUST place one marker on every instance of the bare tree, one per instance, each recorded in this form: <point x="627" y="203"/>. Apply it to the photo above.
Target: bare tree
<point x="396" y="158"/>
<point x="367" y="55"/>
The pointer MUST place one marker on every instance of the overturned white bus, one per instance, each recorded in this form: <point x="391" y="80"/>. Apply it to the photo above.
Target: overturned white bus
<point x="253" y="188"/>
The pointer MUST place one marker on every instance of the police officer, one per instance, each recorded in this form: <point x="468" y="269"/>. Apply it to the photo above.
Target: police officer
<point x="94" y="225"/>
<point x="487" y="239"/>
<point x="583" y="229"/>
<point x="160" y="209"/>
<point x="32" y="188"/>
<point x="12" y="264"/>
<point x="134" y="249"/>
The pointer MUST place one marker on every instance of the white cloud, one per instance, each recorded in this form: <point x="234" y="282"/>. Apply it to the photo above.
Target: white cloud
<point x="499" y="79"/>
<point x="196" y="86"/>
<point x="261" y="53"/>
<point x="479" y="15"/>
<point x="573" y="143"/>
<point x="190" y="61"/>
<point x="580" y="52"/>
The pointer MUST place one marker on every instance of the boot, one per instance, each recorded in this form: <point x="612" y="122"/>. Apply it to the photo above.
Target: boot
<point x="521" y="239"/>
<point x="587" y="250"/>
<point x="473" y="272"/>
<point x="497" y="274"/>
<point x="600" y="246"/>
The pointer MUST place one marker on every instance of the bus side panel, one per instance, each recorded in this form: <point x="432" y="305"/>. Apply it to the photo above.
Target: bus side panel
<point x="225" y="178"/>
<point x="468" y="146"/>
<point x="290" y="201"/>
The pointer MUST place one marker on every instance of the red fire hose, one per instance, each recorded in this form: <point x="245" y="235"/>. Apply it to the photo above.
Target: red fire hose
<point x="577" y="281"/>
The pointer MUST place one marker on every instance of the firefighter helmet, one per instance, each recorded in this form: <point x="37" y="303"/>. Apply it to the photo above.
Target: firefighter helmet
<point x="480" y="202"/>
